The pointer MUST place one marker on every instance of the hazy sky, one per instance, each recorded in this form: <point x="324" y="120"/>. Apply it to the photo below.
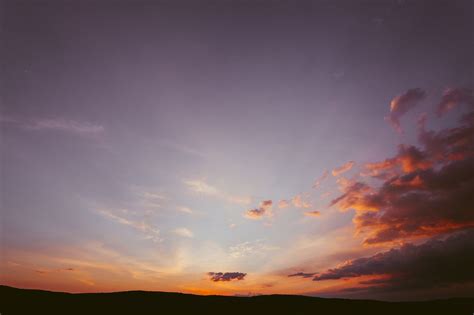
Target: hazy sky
<point x="238" y="147"/>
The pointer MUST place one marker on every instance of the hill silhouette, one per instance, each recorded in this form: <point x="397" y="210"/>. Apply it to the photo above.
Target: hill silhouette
<point x="25" y="301"/>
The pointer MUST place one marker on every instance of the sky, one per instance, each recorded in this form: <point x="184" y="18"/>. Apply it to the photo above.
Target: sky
<point x="238" y="147"/>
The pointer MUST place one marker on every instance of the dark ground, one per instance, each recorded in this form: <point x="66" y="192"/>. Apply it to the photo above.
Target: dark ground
<point x="22" y="301"/>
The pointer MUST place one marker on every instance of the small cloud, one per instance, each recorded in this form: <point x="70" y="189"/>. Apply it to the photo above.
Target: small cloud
<point x="318" y="181"/>
<point x="401" y="104"/>
<point x="257" y="213"/>
<point x="183" y="232"/>
<point x="342" y="169"/>
<point x="314" y="213"/>
<point x="153" y="196"/>
<point x="298" y="202"/>
<point x="283" y="204"/>
<point x="302" y="275"/>
<point x="226" y="276"/>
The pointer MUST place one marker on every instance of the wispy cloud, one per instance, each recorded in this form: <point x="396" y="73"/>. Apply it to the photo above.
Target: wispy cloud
<point x="401" y="104"/>
<point x="66" y="125"/>
<point x="202" y="187"/>
<point x="56" y="124"/>
<point x="181" y="148"/>
<point x="183" y="232"/>
<point x="318" y="181"/>
<point x="343" y="168"/>
<point x="146" y="228"/>
<point x="184" y="209"/>
<point x="250" y="249"/>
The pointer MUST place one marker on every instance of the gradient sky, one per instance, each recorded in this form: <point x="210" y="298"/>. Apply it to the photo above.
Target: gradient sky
<point x="238" y="147"/>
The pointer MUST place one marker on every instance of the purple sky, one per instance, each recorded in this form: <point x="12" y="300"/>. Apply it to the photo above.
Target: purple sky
<point x="174" y="145"/>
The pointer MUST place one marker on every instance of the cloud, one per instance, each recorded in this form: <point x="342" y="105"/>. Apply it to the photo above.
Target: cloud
<point x="382" y="170"/>
<point x="183" y="232"/>
<point x="449" y="144"/>
<point x="421" y="203"/>
<point x="433" y="264"/>
<point x="180" y="147"/>
<point x="408" y="159"/>
<point x="302" y="275"/>
<point x="401" y="104"/>
<point x="283" y="204"/>
<point x="56" y="124"/>
<point x="46" y="271"/>
<point x="428" y="190"/>
<point x="453" y="97"/>
<point x="314" y="213"/>
<point x="250" y="249"/>
<point x="201" y="187"/>
<point x="145" y="227"/>
<point x="226" y="276"/>
<point x="265" y="209"/>
<point x="342" y="169"/>
<point x="184" y="209"/>
<point x="66" y="125"/>
<point x="298" y="202"/>
<point x="318" y="181"/>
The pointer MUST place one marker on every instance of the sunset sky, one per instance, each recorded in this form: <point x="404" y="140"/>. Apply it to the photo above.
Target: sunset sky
<point x="238" y="147"/>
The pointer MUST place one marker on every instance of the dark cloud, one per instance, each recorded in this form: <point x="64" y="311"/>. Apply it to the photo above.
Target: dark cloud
<point x="409" y="158"/>
<point x="449" y="144"/>
<point x="401" y="104"/>
<point x="425" y="191"/>
<point x="454" y="97"/>
<point x="434" y="264"/>
<point x="226" y="276"/>
<point x="302" y="274"/>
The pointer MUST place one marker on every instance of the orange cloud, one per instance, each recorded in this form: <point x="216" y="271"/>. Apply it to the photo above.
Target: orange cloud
<point x="342" y="169"/>
<point x="318" y="181"/>
<point x="265" y="209"/>
<point x="314" y="213"/>
<point x="425" y="191"/>
<point x="298" y="202"/>
<point x="283" y="204"/>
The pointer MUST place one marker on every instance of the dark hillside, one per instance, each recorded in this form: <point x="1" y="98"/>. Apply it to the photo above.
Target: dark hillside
<point x="22" y="301"/>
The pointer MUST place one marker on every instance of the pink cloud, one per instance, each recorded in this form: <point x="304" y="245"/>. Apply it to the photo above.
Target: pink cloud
<point x="342" y="169"/>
